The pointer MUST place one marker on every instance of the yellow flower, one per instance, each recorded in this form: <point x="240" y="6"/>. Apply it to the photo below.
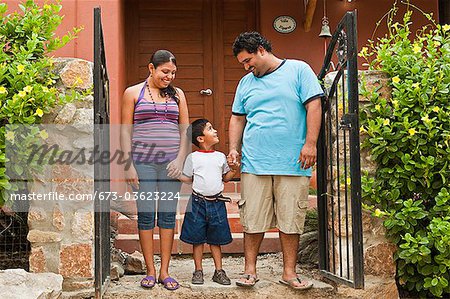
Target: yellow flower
<point x="43" y="134"/>
<point x="386" y="122"/>
<point x="362" y="130"/>
<point x="363" y="52"/>
<point x="20" y="68"/>
<point x="10" y="136"/>
<point x="437" y="43"/>
<point x="47" y="7"/>
<point x="412" y="131"/>
<point x="396" y="79"/>
<point x="78" y="81"/>
<point x="436" y="109"/>
<point x="39" y="112"/>
<point x="425" y="118"/>
<point x="395" y="103"/>
<point x="446" y="27"/>
<point x="22" y="93"/>
<point x="3" y="90"/>
<point x="417" y="48"/>
<point x="349" y="181"/>
<point x="28" y="88"/>
<point x="45" y="89"/>
<point x="51" y="82"/>
<point x="377" y="107"/>
<point x="377" y="213"/>
<point x="416" y="85"/>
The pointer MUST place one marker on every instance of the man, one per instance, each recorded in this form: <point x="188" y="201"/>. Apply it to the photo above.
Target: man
<point x="276" y="115"/>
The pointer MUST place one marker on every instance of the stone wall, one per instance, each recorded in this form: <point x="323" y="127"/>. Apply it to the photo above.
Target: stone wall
<point x="378" y="251"/>
<point x="61" y="231"/>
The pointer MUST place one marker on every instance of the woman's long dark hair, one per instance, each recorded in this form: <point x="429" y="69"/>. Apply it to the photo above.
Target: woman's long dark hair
<point x="161" y="57"/>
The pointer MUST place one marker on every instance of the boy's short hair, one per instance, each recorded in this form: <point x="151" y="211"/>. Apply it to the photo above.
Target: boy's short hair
<point x="250" y="41"/>
<point x="196" y="129"/>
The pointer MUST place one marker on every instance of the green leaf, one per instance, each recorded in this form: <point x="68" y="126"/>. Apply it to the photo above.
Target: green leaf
<point x="411" y="186"/>
<point x="434" y="282"/>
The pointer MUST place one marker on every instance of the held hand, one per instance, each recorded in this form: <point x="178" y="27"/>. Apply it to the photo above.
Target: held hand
<point x="233" y="157"/>
<point x="233" y="166"/>
<point x="131" y="177"/>
<point x="308" y="156"/>
<point x="174" y="168"/>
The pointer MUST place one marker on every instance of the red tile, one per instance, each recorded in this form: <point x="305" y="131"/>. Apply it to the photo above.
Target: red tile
<point x="232" y="208"/>
<point x="229" y="187"/>
<point x="235" y="225"/>
<point x="131" y="244"/>
<point x="238" y="187"/>
<point x="127" y="226"/>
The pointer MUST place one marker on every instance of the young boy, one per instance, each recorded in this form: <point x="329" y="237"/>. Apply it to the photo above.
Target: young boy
<point x="206" y="220"/>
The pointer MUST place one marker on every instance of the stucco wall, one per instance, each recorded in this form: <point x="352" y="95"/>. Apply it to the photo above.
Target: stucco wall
<point x="307" y="45"/>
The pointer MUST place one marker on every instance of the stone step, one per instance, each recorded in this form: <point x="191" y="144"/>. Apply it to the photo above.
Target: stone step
<point x="130" y="243"/>
<point x="128" y="239"/>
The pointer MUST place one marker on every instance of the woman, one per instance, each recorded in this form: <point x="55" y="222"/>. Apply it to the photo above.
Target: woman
<point x="153" y="134"/>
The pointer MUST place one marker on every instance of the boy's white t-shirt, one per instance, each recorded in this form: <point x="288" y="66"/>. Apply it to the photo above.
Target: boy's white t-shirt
<point x="206" y="169"/>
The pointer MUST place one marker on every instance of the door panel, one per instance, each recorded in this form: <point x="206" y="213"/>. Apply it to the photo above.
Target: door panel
<point x="200" y="33"/>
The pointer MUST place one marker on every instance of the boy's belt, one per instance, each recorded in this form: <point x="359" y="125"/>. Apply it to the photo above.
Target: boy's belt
<point x="218" y="196"/>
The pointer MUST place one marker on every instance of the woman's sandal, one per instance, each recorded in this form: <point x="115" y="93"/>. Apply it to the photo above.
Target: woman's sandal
<point x="249" y="277"/>
<point x="168" y="280"/>
<point x="304" y="285"/>
<point x="148" y="282"/>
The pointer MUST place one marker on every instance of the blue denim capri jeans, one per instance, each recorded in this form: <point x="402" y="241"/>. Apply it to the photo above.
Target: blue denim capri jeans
<point x="157" y="196"/>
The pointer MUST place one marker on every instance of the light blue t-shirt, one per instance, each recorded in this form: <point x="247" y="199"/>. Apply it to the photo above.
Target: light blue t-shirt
<point x="276" y="118"/>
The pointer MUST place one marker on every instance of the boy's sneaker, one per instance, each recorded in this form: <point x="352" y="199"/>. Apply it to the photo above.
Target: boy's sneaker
<point x="221" y="277"/>
<point x="197" y="277"/>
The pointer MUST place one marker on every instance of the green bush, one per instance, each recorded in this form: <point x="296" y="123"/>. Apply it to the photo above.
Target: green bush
<point x="27" y="80"/>
<point x="408" y="137"/>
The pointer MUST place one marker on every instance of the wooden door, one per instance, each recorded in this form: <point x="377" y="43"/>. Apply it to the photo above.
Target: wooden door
<point x="200" y="34"/>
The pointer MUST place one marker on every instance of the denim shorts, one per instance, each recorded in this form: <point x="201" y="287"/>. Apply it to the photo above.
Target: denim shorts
<point x="205" y="221"/>
<point x="157" y="194"/>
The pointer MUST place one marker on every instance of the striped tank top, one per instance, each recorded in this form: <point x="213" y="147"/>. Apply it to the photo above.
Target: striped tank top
<point x="156" y="135"/>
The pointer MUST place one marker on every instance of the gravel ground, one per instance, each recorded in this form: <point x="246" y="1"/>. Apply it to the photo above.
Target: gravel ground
<point x="269" y="272"/>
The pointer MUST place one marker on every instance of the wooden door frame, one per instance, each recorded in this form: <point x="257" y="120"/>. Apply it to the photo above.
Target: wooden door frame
<point x="219" y="64"/>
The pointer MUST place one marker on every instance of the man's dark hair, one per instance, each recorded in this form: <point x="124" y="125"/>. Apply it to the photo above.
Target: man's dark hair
<point x="196" y="129"/>
<point x="250" y="41"/>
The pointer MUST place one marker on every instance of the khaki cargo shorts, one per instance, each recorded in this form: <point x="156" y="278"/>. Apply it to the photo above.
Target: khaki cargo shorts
<point x="273" y="201"/>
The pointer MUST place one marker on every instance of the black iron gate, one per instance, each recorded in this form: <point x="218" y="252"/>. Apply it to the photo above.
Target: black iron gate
<point x="338" y="174"/>
<point x="101" y="170"/>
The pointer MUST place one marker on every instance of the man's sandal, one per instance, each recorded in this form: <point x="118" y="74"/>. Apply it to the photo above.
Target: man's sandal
<point x="251" y="280"/>
<point x="304" y="285"/>
<point x="148" y="282"/>
<point x="165" y="282"/>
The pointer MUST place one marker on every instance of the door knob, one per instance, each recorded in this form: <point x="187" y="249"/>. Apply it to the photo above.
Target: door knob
<point x="206" y="92"/>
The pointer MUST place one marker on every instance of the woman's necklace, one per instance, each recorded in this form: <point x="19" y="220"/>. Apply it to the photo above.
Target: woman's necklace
<point x="154" y="103"/>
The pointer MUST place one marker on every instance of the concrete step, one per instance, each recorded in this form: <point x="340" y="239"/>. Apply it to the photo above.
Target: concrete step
<point x="130" y="243"/>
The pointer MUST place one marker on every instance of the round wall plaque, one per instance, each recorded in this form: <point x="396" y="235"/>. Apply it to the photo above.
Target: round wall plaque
<point x="284" y="24"/>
